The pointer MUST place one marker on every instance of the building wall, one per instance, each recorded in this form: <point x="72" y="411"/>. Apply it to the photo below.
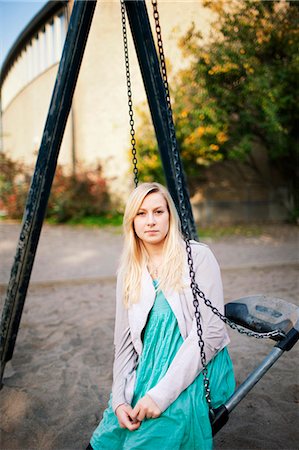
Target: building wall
<point x="24" y="120"/>
<point x="234" y="193"/>
<point x="26" y="93"/>
<point x="41" y="52"/>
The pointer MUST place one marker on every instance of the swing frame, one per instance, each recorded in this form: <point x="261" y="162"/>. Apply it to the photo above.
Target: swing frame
<point x="34" y="213"/>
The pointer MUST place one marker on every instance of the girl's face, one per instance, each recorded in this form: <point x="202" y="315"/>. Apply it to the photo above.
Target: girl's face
<point x="151" y="223"/>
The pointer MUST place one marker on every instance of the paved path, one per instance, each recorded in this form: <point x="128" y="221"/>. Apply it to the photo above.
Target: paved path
<point x="76" y="253"/>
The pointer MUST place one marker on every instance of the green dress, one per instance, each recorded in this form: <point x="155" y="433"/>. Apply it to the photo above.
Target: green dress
<point x="185" y="423"/>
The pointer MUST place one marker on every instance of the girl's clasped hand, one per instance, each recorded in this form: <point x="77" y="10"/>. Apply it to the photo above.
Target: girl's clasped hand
<point x="131" y="418"/>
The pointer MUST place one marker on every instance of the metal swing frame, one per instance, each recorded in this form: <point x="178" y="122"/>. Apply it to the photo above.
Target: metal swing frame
<point x="78" y="30"/>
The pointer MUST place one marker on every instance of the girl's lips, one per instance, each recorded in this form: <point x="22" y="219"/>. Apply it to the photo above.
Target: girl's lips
<point x="152" y="231"/>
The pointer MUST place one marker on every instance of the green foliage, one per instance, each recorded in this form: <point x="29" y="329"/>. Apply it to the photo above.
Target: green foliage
<point x="149" y="163"/>
<point x="72" y="198"/>
<point x="239" y="91"/>
<point x="101" y="220"/>
<point x="251" y="72"/>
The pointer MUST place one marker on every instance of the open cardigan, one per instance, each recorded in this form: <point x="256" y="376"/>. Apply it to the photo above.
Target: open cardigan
<point x="186" y="365"/>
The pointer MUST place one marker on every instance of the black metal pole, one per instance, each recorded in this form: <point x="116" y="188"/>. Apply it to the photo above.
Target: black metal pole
<point x="41" y="183"/>
<point x="155" y="91"/>
<point x="221" y="414"/>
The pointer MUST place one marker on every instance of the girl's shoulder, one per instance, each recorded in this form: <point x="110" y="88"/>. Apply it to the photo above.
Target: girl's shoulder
<point x="201" y="252"/>
<point x="196" y="243"/>
<point x="199" y="247"/>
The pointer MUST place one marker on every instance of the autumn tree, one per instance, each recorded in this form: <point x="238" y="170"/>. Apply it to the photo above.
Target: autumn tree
<point x="239" y="92"/>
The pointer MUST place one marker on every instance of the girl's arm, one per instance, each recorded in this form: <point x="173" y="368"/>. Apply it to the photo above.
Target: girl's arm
<point x="186" y="365"/>
<point x="125" y="356"/>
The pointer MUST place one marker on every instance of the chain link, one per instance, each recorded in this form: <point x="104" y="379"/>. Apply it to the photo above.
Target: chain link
<point x="129" y="91"/>
<point x="198" y="295"/>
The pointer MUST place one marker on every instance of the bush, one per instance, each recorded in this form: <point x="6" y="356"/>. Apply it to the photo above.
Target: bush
<point x="77" y="196"/>
<point x="72" y="196"/>
<point x="14" y="185"/>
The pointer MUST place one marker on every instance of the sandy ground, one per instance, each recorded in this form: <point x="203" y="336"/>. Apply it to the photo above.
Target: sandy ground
<point x="58" y="382"/>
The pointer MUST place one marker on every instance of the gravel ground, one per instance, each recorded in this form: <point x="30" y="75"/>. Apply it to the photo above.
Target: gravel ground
<point x="58" y="382"/>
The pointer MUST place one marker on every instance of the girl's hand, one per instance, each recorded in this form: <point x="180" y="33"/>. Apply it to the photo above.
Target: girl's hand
<point x="145" y="407"/>
<point x="124" y="415"/>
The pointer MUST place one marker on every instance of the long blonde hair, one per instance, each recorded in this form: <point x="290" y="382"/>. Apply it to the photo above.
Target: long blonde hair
<point x="134" y="256"/>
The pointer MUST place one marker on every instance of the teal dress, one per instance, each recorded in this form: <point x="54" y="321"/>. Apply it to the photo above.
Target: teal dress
<point x="185" y="423"/>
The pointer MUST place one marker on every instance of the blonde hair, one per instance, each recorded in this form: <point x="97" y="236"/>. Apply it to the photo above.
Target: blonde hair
<point x="134" y="255"/>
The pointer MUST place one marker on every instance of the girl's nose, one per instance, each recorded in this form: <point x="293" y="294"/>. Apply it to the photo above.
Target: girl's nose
<point x="151" y="219"/>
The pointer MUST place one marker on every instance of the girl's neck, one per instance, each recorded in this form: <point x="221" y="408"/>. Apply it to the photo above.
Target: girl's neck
<point x="155" y="255"/>
<point x="154" y="264"/>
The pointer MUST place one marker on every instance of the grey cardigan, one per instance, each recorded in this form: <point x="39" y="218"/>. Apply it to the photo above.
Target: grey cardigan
<point x="186" y="365"/>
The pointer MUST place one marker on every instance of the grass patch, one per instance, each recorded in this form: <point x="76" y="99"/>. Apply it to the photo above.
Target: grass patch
<point x="114" y="220"/>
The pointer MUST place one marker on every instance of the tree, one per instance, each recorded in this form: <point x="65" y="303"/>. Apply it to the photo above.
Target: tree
<point x="240" y="90"/>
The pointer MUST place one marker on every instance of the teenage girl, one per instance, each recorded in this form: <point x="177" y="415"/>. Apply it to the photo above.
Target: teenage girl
<point x="158" y="396"/>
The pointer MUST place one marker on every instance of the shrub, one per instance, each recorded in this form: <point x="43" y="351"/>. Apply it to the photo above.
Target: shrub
<point x="14" y="185"/>
<point x="72" y="196"/>
<point x="77" y="196"/>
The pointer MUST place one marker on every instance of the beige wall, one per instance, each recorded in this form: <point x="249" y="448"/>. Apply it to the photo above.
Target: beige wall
<point x="24" y="120"/>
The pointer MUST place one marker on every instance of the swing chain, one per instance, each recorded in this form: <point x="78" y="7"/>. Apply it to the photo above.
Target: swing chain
<point x="197" y="291"/>
<point x="233" y="325"/>
<point x="173" y="140"/>
<point x="174" y="148"/>
<point x="198" y="295"/>
<point x="129" y="92"/>
<point x="161" y="52"/>
<point x="184" y="216"/>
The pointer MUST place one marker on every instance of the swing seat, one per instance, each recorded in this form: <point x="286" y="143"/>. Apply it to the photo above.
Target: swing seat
<point x="262" y="314"/>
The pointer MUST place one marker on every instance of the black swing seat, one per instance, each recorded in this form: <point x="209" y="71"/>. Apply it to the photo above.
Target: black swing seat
<point x="262" y="314"/>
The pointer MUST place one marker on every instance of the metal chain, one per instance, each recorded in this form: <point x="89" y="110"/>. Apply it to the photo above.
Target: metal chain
<point x="176" y="156"/>
<point x="181" y="199"/>
<point x="129" y="91"/>
<point x="197" y="293"/>
<point x="161" y="52"/>
<point x="233" y="325"/>
<point x="173" y="141"/>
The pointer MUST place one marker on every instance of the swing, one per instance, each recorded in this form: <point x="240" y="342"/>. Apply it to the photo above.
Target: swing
<point x="256" y="316"/>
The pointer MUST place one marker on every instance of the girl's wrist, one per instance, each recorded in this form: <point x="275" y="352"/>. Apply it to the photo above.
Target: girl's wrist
<point x="121" y="404"/>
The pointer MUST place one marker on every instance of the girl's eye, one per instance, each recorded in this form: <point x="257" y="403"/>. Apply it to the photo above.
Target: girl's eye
<point x="159" y="211"/>
<point x="140" y="213"/>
